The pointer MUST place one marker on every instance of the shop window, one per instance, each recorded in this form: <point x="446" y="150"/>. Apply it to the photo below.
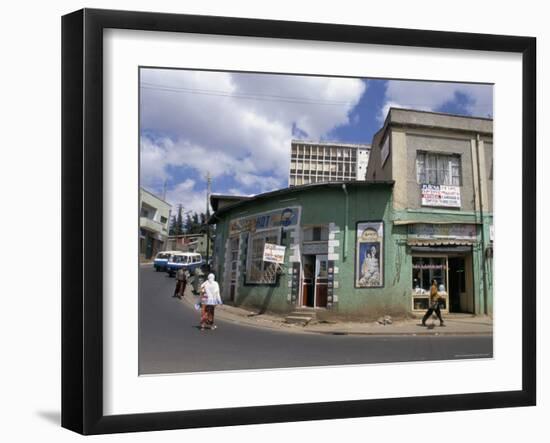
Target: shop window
<point x="426" y="269"/>
<point x="256" y="268"/>
<point x="438" y="169"/>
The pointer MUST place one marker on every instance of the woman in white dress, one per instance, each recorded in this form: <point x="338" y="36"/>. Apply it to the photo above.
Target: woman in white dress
<point x="210" y="297"/>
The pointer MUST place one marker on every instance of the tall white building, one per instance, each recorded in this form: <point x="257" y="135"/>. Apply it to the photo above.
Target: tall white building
<point x="315" y="162"/>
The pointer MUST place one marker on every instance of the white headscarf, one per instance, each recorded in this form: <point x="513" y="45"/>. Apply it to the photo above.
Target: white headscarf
<point x="212" y="291"/>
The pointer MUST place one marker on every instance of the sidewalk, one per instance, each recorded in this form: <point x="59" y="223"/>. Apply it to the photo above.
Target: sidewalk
<point x="454" y="324"/>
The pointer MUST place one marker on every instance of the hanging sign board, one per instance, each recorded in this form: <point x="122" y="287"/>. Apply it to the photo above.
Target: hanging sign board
<point x="274" y="253"/>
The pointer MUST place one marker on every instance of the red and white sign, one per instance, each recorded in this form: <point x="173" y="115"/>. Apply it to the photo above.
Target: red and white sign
<point x="441" y="195"/>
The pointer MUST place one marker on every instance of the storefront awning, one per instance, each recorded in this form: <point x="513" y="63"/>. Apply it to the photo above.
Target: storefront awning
<point x="440" y="246"/>
<point x="435" y="222"/>
<point x="442" y="242"/>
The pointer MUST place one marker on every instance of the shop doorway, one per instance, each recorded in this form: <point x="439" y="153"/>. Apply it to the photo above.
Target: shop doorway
<point x="314" y="281"/>
<point x="459" y="293"/>
<point x="308" y="285"/>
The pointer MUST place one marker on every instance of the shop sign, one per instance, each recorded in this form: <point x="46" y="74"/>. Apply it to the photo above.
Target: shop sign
<point x="315" y="248"/>
<point x="369" y="263"/>
<point x="450" y="231"/>
<point x="274" y="253"/>
<point x="440" y="195"/>
<point x="285" y="217"/>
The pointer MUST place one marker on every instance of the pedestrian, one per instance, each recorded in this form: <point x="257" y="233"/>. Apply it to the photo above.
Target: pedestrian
<point x="181" y="283"/>
<point x="210" y="297"/>
<point x="434" y="305"/>
<point x="198" y="279"/>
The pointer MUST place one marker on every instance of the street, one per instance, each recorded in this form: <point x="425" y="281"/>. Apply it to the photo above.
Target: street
<point x="170" y="341"/>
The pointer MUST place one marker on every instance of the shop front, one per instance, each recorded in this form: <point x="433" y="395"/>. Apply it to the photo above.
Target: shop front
<point x="314" y="263"/>
<point x="444" y="253"/>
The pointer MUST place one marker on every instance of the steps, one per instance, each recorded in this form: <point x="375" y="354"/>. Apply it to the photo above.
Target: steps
<point x="301" y="316"/>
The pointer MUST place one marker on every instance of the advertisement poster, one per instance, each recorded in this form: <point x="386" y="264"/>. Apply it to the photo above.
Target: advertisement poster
<point x="441" y="195"/>
<point x="369" y="264"/>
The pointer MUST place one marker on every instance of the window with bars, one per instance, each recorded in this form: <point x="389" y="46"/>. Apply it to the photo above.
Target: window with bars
<point x="438" y="169"/>
<point x="255" y="266"/>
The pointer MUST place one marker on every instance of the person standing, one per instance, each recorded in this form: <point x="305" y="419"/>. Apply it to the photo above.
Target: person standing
<point x="210" y="297"/>
<point x="181" y="283"/>
<point x="434" y="305"/>
<point x="198" y="279"/>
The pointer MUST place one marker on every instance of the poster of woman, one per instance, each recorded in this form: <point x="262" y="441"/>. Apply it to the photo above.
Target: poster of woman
<point x="370" y="250"/>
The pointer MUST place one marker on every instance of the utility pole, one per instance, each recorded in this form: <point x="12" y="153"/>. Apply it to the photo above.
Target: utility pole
<point x="208" y="185"/>
<point x="164" y="189"/>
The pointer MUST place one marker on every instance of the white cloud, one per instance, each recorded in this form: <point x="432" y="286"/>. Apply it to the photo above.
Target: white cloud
<point x="185" y="193"/>
<point x="431" y="96"/>
<point x="236" y="124"/>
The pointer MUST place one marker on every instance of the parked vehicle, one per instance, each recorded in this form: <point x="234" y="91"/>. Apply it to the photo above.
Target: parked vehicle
<point x="186" y="260"/>
<point x="161" y="260"/>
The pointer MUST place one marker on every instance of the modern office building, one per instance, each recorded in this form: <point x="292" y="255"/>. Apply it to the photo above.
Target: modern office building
<point x="321" y="162"/>
<point x="153" y="224"/>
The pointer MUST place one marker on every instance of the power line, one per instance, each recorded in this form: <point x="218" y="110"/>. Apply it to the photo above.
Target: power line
<point x="255" y="96"/>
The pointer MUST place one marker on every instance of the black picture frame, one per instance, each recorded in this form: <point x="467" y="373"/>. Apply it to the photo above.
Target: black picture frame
<point x="82" y="218"/>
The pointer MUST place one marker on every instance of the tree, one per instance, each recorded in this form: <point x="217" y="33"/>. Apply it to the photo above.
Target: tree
<point x="188" y="224"/>
<point x="178" y="229"/>
<point x="173" y="225"/>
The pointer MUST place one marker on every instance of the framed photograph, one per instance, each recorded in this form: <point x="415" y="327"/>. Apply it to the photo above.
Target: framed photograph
<point x="250" y="207"/>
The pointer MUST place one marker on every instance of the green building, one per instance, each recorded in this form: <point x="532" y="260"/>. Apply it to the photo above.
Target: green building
<point x="336" y="239"/>
<point x="362" y="249"/>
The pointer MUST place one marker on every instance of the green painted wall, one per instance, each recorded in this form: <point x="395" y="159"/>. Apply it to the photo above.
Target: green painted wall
<point x="324" y="205"/>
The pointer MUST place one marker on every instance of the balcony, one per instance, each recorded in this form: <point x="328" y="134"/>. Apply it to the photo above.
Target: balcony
<point x="152" y="225"/>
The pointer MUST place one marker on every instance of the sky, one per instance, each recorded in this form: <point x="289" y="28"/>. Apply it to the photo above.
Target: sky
<point x="238" y="126"/>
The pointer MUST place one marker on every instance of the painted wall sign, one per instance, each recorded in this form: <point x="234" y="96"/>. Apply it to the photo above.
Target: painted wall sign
<point x="440" y="195"/>
<point x="274" y="253"/>
<point x="450" y="231"/>
<point x="369" y="263"/>
<point x="284" y="217"/>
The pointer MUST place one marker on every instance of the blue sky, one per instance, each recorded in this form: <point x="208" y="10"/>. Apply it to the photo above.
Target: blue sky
<point x="238" y="126"/>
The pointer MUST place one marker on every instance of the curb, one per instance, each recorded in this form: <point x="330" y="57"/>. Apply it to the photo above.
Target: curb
<point x="237" y="319"/>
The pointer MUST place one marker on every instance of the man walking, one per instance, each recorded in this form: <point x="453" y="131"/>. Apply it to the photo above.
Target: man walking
<point x="181" y="283"/>
<point x="434" y="305"/>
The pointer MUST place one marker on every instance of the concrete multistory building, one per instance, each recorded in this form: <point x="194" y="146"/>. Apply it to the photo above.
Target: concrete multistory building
<point x="153" y="224"/>
<point x="442" y="166"/>
<point x="320" y="162"/>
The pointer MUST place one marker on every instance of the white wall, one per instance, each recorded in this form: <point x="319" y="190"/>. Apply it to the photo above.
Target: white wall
<point x="30" y="170"/>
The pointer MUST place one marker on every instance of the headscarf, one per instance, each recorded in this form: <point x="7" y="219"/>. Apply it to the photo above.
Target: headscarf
<point x="211" y="291"/>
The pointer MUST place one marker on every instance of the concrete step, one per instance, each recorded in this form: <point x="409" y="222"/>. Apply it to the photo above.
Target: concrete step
<point x="297" y="320"/>
<point x="302" y="314"/>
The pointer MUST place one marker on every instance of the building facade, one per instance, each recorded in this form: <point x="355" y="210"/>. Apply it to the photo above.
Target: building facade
<point x="318" y="162"/>
<point x="442" y="166"/>
<point x="189" y="243"/>
<point x="153" y="224"/>
<point x="336" y="239"/>
<point x="362" y="249"/>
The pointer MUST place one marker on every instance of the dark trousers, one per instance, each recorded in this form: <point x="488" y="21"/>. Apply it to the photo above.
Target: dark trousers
<point x="433" y="308"/>
<point x="180" y="288"/>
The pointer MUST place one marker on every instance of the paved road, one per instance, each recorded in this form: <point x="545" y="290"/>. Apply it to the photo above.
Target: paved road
<point x="170" y="341"/>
